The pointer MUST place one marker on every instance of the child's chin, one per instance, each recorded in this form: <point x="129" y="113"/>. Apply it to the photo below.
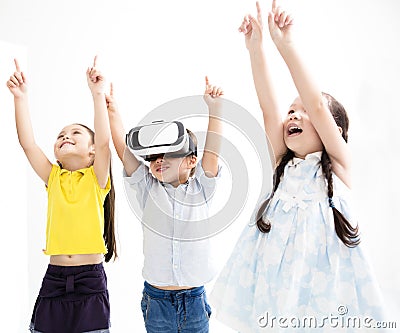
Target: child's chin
<point x="162" y="179"/>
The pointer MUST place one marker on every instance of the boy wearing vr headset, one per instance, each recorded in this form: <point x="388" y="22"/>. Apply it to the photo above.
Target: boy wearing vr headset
<point x="174" y="193"/>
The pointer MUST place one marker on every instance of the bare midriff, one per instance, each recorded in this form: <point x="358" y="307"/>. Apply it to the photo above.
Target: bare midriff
<point x="76" y="259"/>
<point x="172" y="287"/>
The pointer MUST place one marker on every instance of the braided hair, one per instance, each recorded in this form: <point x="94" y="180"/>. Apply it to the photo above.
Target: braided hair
<point x="345" y="231"/>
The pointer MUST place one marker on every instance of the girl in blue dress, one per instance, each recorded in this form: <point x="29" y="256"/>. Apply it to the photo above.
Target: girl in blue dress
<point x="298" y="265"/>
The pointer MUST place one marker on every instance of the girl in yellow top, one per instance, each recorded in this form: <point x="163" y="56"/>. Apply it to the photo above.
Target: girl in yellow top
<point x="80" y="217"/>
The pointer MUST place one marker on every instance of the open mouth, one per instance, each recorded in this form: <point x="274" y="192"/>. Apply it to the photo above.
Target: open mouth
<point x="66" y="144"/>
<point x="294" y="130"/>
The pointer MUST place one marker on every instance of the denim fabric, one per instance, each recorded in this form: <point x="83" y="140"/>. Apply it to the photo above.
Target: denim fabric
<point x="173" y="311"/>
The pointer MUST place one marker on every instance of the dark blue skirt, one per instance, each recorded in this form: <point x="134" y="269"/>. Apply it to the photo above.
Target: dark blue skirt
<point x="72" y="299"/>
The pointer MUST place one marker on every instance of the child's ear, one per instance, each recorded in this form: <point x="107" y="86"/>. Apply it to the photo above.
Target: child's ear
<point x="340" y="130"/>
<point x="192" y="161"/>
<point x="92" y="150"/>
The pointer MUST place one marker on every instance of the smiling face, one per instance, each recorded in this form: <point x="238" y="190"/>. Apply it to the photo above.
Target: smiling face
<point x="74" y="144"/>
<point x="173" y="170"/>
<point x="299" y="134"/>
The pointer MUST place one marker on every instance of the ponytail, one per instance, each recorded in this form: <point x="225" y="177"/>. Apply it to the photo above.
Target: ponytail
<point x="109" y="225"/>
<point x="345" y="231"/>
<point x="265" y="226"/>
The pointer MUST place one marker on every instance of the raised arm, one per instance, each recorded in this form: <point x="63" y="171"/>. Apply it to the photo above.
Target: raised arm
<point x="102" y="135"/>
<point x="214" y="131"/>
<point x="252" y="29"/>
<point x="129" y="160"/>
<point x="17" y="84"/>
<point x="116" y="126"/>
<point x="280" y="26"/>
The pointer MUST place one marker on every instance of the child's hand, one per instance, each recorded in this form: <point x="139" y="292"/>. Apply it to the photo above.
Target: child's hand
<point x="212" y="94"/>
<point x="110" y="101"/>
<point x="252" y="29"/>
<point x="95" y="79"/>
<point x="17" y="82"/>
<point x="280" y="23"/>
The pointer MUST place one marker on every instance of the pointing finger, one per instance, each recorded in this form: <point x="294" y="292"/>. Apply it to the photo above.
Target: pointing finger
<point x="259" y="16"/>
<point x="95" y="61"/>
<point x="273" y="5"/>
<point x="18" y="69"/>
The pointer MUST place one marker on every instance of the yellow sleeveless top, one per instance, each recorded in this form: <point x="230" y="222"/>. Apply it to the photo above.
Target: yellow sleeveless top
<point x="75" y="213"/>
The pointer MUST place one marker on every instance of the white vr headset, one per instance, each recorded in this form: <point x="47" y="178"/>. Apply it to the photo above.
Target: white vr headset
<point x="160" y="138"/>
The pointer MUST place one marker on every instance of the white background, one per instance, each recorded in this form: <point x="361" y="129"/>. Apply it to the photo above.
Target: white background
<point x="156" y="51"/>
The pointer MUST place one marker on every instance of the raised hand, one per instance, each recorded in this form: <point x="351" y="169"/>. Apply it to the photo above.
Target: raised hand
<point x="212" y="94"/>
<point x="280" y="23"/>
<point x="17" y="82"/>
<point x="110" y="100"/>
<point x="95" y="79"/>
<point x="213" y="139"/>
<point x="252" y="29"/>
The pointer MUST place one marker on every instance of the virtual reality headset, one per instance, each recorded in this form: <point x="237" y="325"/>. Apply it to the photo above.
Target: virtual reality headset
<point x="160" y="138"/>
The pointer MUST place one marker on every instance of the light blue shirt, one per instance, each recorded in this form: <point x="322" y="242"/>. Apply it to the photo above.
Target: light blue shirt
<point x="176" y="228"/>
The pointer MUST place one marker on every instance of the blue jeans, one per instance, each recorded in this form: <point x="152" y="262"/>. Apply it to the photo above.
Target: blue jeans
<point x="175" y="311"/>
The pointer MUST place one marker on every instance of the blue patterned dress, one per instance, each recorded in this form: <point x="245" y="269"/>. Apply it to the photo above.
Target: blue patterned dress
<point x="300" y="275"/>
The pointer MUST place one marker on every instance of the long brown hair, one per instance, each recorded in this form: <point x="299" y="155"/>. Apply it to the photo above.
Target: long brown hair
<point x="109" y="215"/>
<point x="345" y="231"/>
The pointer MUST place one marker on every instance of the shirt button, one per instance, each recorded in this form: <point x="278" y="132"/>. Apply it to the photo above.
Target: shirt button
<point x="175" y="266"/>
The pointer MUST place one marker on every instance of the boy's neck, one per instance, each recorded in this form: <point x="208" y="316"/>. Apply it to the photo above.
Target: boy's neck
<point x="183" y="179"/>
<point x="179" y="182"/>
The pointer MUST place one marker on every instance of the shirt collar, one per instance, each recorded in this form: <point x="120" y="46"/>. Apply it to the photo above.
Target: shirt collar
<point x="81" y="171"/>
<point x="312" y="156"/>
<point x="169" y="185"/>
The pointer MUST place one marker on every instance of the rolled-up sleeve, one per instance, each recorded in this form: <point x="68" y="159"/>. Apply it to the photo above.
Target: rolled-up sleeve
<point x="208" y="184"/>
